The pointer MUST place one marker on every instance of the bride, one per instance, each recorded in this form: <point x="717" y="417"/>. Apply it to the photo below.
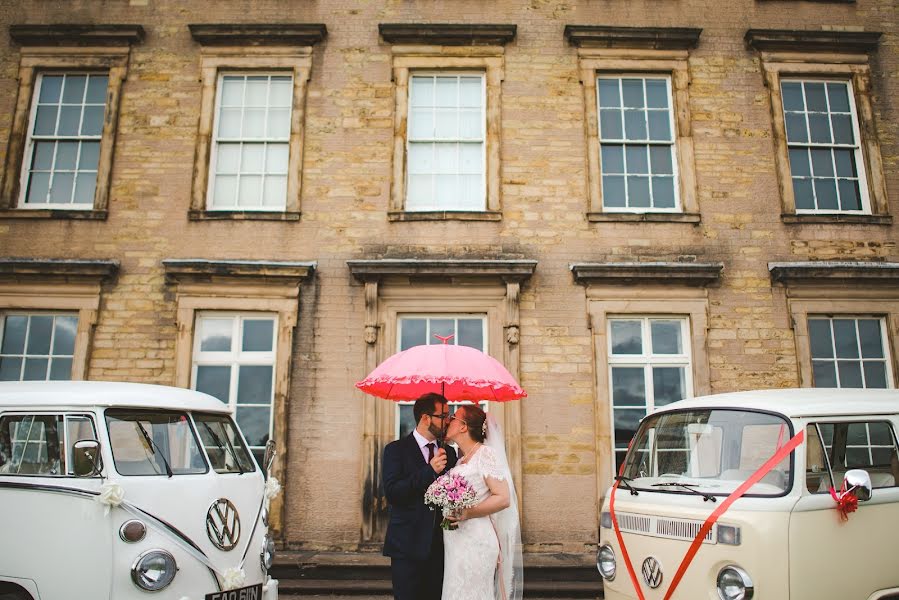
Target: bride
<point x="483" y="556"/>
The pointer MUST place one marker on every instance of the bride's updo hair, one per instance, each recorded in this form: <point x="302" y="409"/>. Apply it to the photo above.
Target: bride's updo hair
<point x="476" y="419"/>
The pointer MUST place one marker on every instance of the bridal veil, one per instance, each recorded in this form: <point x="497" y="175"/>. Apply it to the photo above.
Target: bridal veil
<point x="510" y="574"/>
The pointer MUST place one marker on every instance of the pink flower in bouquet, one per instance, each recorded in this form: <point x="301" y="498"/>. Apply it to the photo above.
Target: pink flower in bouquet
<point x="451" y="493"/>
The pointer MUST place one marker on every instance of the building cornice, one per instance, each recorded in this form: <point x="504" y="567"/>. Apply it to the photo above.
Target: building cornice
<point x="197" y="269"/>
<point x="656" y="38"/>
<point x="508" y="270"/>
<point x="261" y="34"/>
<point x="53" y="268"/>
<point x="75" y="34"/>
<point x="794" y="40"/>
<point x="448" y="34"/>
<point x="692" y="274"/>
<point x="825" y="272"/>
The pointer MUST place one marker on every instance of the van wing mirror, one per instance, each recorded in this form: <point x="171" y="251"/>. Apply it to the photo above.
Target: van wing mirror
<point x="86" y="458"/>
<point x="858" y="482"/>
<point x="269" y="457"/>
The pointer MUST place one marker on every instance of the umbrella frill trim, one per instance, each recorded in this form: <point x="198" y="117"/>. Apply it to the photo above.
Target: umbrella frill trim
<point x="476" y="383"/>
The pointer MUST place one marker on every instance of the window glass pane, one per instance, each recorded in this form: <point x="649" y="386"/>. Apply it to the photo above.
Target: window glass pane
<point x="609" y="93"/>
<point x="657" y="93"/>
<point x="822" y="163"/>
<point x="447" y="158"/>
<point x="845" y="161"/>
<point x="254" y="423"/>
<point x="64" y="335"/>
<point x="69" y="120"/>
<point x="815" y="97"/>
<point x="85" y="186"/>
<point x="42" y="159"/>
<point x="35" y="369"/>
<point x="471" y="157"/>
<point x="471" y="333"/>
<point x="215" y="335"/>
<point x="628" y="386"/>
<point x="226" y="450"/>
<point x="668" y="385"/>
<point x="45" y="120"/>
<point x="422" y="91"/>
<point x="666" y="337"/>
<point x="407" y="420"/>
<point x="61" y="188"/>
<point x="850" y="374"/>
<point x="14" y="328"/>
<point x="792" y="95"/>
<point x="96" y="89"/>
<point x="804" y="194"/>
<point x="838" y="96"/>
<point x="51" y="86"/>
<point x="413" y="332"/>
<point x="875" y="374"/>
<point x="637" y="160"/>
<point x="446" y="91"/>
<point x="73" y="89"/>
<point x="849" y="196"/>
<point x="253" y="123"/>
<point x="842" y="129"/>
<point x="824" y="374"/>
<point x="252" y="157"/>
<point x="38" y="188"/>
<point x="638" y="192"/>
<point x="610" y="124"/>
<point x="215" y="381"/>
<point x="796" y="127"/>
<point x="41" y="328"/>
<point x="281" y="92"/>
<point x="659" y="125"/>
<point x="612" y="159"/>
<point x="846" y="340"/>
<point x="826" y="193"/>
<point x="626" y="337"/>
<point x="471" y="91"/>
<point x="421" y="123"/>
<point x="227" y="158"/>
<point x="60" y="369"/>
<point x="90" y="156"/>
<point x="274" y="192"/>
<point x="258" y="335"/>
<point x="632" y="93"/>
<point x="869" y="334"/>
<point x="470" y="122"/>
<point x="254" y="384"/>
<point x="819" y="129"/>
<point x="256" y="92"/>
<point x="635" y="124"/>
<point x="663" y="192"/>
<point x="229" y="123"/>
<point x="626" y="423"/>
<point x="225" y="192"/>
<point x="819" y="338"/>
<point x="276" y="157"/>
<point x="144" y="441"/>
<point x="799" y="165"/>
<point x="232" y="90"/>
<point x="92" y="121"/>
<point x="66" y="155"/>
<point x="10" y="368"/>
<point x="249" y="193"/>
<point x="441" y="327"/>
<point x="660" y="160"/>
<point x="278" y="124"/>
<point x="446" y="124"/>
<point x="613" y="194"/>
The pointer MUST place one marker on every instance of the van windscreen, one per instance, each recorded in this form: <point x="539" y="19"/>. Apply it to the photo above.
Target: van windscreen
<point x="223" y="444"/>
<point x="151" y="442"/>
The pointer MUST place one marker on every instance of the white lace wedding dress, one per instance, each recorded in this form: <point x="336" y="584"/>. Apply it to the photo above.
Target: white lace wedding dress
<point x="471" y="552"/>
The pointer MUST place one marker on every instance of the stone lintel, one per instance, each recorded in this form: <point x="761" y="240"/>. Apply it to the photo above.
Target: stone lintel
<point x="74" y="34"/>
<point x="507" y="270"/>
<point x="794" y="40"/>
<point x="696" y="274"/>
<point x="98" y="269"/>
<point x="822" y="272"/>
<point x="656" y="38"/>
<point x="193" y="269"/>
<point x="447" y="34"/>
<point x="261" y="34"/>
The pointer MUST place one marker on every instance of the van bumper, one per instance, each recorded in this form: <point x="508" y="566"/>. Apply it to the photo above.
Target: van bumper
<point x="270" y="590"/>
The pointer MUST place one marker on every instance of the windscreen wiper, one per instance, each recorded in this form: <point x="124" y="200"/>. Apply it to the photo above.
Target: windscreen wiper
<point x="624" y="481"/>
<point x="153" y="447"/>
<point x="218" y="441"/>
<point x="689" y="487"/>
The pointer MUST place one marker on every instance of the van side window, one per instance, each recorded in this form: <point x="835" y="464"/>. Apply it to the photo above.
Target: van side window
<point x="41" y="444"/>
<point x="868" y="445"/>
<point x="816" y="473"/>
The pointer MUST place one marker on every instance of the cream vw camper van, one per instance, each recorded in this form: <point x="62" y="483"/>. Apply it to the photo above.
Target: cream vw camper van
<point x="729" y="497"/>
<point x="123" y="491"/>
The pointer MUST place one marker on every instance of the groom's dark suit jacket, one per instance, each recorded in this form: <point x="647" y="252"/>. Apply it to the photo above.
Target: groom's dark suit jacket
<point x="406" y="476"/>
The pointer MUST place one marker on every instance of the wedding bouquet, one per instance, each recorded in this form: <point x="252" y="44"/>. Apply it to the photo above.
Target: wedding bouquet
<point x="450" y="493"/>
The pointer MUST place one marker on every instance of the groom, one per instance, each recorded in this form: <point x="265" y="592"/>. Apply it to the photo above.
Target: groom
<point x="414" y="540"/>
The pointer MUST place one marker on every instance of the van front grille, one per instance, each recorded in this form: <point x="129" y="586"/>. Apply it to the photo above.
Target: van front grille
<point x="662" y="527"/>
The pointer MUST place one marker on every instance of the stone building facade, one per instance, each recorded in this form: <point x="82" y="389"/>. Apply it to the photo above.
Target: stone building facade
<point x="623" y="201"/>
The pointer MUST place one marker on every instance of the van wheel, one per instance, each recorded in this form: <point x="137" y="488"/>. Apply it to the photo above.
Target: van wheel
<point x="10" y="591"/>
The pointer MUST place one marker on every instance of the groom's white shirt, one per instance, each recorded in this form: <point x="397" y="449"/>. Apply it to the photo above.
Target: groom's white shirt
<point x="423" y="444"/>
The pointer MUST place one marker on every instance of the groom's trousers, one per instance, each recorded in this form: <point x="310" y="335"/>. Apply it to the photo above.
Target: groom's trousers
<point x="419" y="579"/>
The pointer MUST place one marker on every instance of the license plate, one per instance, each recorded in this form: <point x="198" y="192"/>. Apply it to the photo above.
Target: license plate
<point x="251" y="592"/>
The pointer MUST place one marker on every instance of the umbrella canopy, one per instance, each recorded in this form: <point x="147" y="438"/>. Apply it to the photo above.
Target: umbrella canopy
<point x="457" y="372"/>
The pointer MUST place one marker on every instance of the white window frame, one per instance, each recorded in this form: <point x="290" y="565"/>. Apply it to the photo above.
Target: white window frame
<point x="50" y="356"/>
<point x="214" y="143"/>
<point x="647" y="360"/>
<point x="624" y="142"/>
<point x="860" y="164"/>
<point x="28" y="156"/>
<point x="433" y="316"/>
<point x="236" y="358"/>
<point x="483" y="140"/>
<point x="884" y="340"/>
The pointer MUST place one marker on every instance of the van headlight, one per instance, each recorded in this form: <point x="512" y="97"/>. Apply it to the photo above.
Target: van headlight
<point x="605" y="562"/>
<point x="154" y="570"/>
<point x="268" y="553"/>
<point x="734" y="584"/>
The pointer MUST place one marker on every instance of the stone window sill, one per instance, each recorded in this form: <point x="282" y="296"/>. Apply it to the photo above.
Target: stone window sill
<point x="53" y="213"/>
<point x="443" y="215"/>
<point x="242" y="215"/>
<point x="607" y="217"/>
<point x="794" y="219"/>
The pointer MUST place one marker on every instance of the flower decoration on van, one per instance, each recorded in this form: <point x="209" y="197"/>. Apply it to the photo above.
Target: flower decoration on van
<point x="272" y="488"/>
<point x="847" y="501"/>
<point x="233" y="578"/>
<point x="111" y="494"/>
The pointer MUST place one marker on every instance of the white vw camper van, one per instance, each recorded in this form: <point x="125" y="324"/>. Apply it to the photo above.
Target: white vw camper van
<point x="123" y="491"/>
<point x="729" y="497"/>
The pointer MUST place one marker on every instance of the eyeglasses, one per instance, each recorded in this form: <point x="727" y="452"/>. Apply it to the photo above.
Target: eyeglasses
<point x="441" y="416"/>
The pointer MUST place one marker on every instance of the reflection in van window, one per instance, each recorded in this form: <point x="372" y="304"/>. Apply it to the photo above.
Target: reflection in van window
<point x="41" y="444"/>
<point x="869" y="445"/>
<point x="223" y="444"/>
<point x="148" y="442"/>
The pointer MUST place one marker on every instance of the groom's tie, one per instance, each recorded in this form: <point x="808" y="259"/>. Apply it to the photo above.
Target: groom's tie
<point x="430" y="452"/>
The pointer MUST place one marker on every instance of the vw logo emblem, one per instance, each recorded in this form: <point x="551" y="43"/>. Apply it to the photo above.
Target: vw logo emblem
<point x="652" y="572"/>
<point x="223" y="524"/>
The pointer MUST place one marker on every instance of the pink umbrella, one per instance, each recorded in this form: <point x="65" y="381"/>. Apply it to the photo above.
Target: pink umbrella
<point x="457" y="372"/>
